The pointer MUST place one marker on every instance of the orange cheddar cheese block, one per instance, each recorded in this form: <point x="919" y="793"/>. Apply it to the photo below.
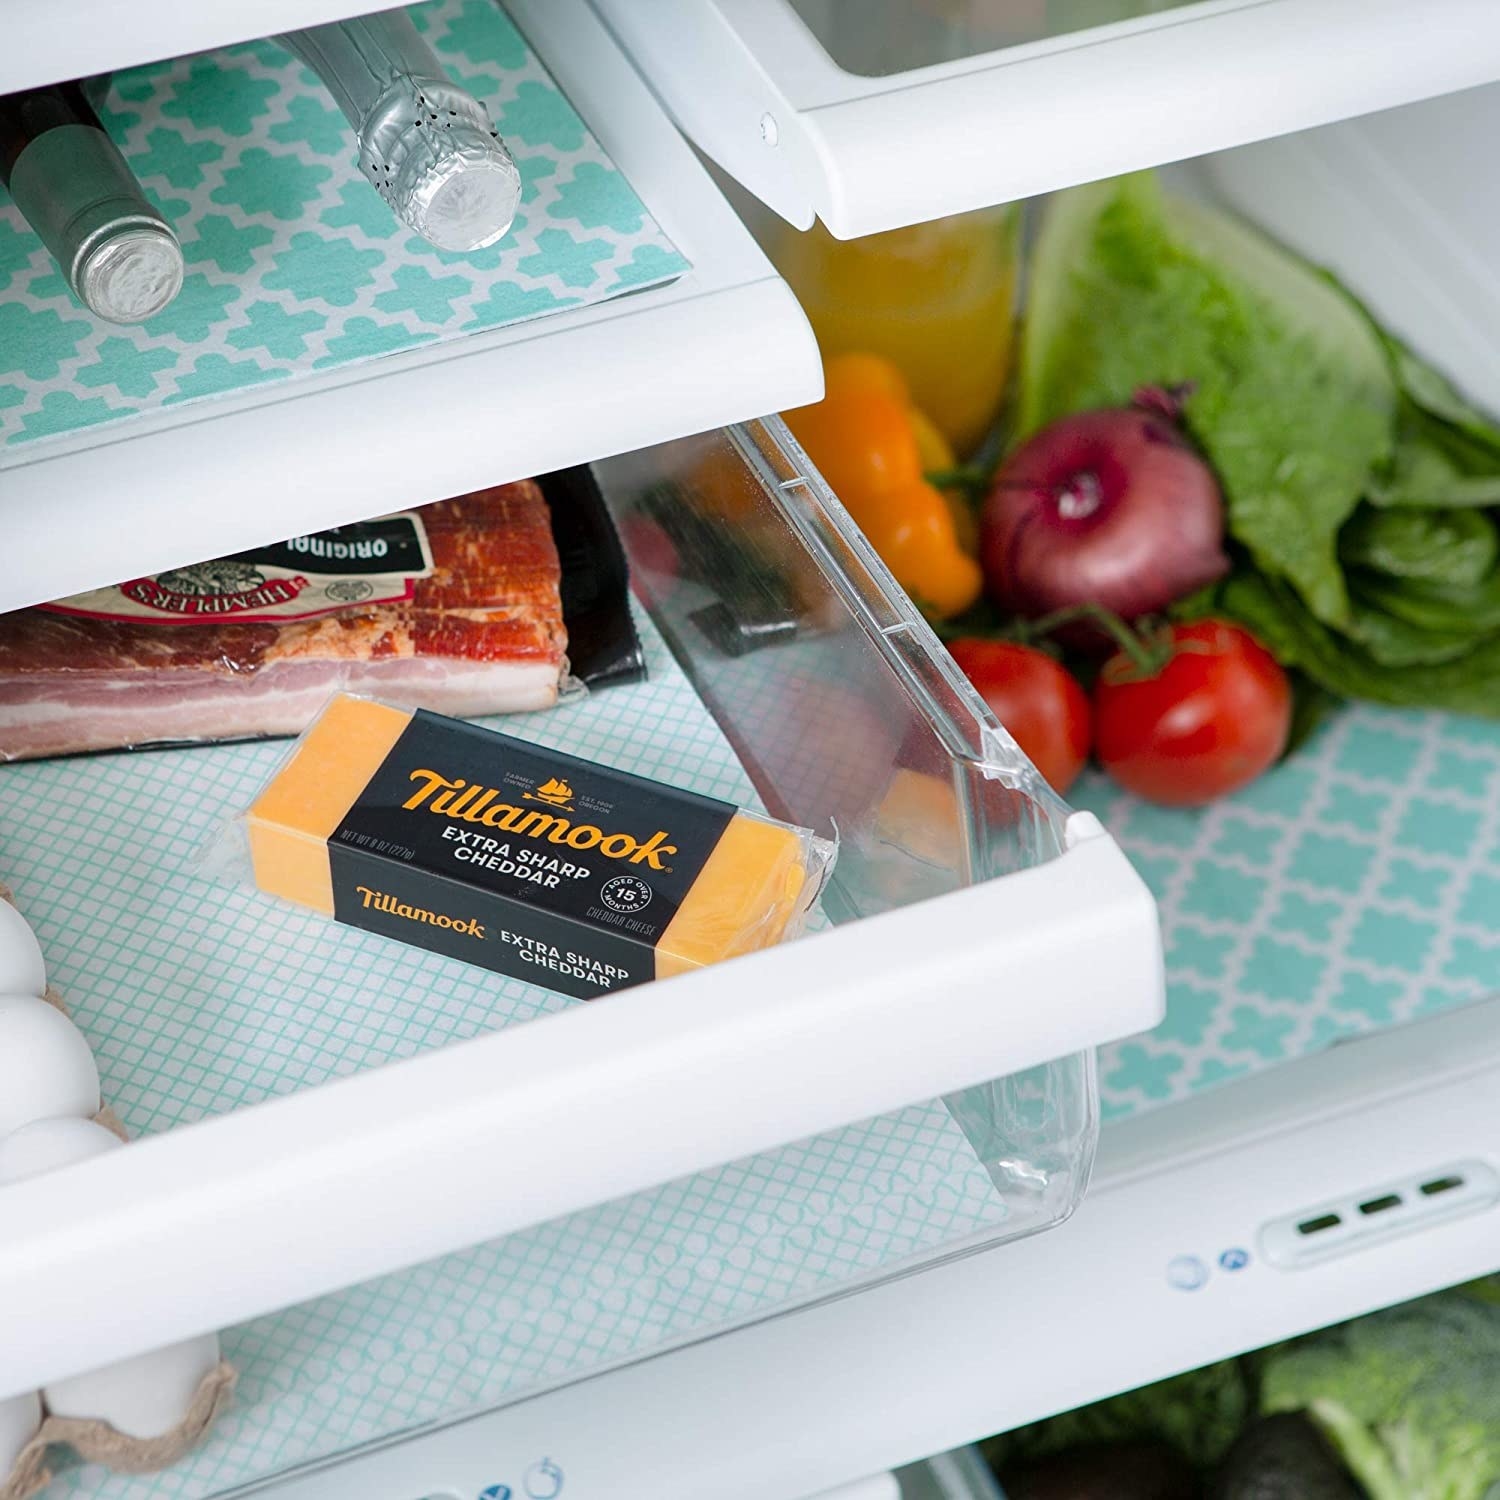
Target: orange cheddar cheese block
<point x="524" y="860"/>
<point x="291" y="821"/>
<point x="746" y="897"/>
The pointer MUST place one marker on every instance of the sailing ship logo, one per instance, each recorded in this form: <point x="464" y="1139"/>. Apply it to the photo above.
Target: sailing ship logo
<point x="554" y="792"/>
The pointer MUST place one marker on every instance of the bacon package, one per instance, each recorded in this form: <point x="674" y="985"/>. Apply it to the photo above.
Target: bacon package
<point x="455" y="607"/>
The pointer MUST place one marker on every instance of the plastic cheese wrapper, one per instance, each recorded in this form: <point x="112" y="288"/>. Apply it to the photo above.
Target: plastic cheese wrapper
<point x="526" y="861"/>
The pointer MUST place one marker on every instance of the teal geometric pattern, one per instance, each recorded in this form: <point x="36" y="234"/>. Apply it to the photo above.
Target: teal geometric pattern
<point x="1354" y="887"/>
<point x="295" y="265"/>
<point x="200" y="997"/>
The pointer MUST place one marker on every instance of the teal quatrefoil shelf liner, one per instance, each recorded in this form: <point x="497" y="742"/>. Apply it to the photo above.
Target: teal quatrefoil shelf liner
<point x="1357" y="886"/>
<point x="294" y="264"/>
<point x="200" y="997"/>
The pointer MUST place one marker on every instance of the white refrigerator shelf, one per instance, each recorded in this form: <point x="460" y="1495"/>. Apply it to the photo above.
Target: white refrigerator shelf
<point x="293" y="387"/>
<point x="878" y="114"/>
<point x="1354" y="888"/>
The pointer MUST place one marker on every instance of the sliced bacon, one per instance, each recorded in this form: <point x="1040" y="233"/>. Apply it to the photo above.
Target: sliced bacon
<point x="483" y="634"/>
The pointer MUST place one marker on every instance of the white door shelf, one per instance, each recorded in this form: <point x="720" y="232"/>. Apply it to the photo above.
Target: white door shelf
<point x="188" y="476"/>
<point x="814" y="106"/>
<point x="938" y="979"/>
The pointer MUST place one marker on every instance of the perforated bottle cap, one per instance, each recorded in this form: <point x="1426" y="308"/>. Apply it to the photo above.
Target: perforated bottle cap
<point x="132" y="274"/>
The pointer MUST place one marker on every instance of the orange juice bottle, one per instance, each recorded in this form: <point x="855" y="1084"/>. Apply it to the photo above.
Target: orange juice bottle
<point x="936" y="299"/>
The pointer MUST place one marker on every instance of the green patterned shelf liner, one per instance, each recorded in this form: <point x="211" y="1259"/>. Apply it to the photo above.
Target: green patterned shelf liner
<point x="294" y="264"/>
<point x="200" y="998"/>
<point x="1355" y="887"/>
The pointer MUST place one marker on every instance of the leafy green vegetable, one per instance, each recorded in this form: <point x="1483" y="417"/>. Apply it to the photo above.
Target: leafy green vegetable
<point x="1198" y="1414"/>
<point x="1393" y="642"/>
<point x="1427" y="472"/>
<point x="1293" y="397"/>
<point x="1434" y="607"/>
<point x="1434" y="396"/>
<point x="1305" y="408"/>
<point x="1436" y="545"/>
<point x="1410" y="1397"/>
<point x="1447" y="452"/>
<point x="1466" y="683"/>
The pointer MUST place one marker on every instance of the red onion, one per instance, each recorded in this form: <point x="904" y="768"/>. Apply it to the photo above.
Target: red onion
<point x="1108" y="507"/>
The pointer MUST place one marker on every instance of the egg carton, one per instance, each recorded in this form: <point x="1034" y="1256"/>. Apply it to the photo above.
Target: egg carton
<point x="54" y="1115"/>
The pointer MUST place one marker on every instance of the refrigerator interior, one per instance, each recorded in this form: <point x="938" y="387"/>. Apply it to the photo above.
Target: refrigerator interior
<point x="1331" y="946"/>
<point x="1355" y="889"/>
<point x="1330" y="1042"/>
<point x="307" y="309"/>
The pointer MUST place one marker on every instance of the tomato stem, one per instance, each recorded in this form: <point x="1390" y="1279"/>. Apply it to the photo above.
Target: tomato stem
<point x="1147" y="654"/>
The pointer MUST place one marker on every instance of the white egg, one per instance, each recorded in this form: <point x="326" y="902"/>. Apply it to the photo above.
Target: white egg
<point x="46" y="1068"/>
<point x="20" y="1417"/>
<point x="22" y="971"/>
<point x="45" y="1145"/>
<point x="142" y="1397"/>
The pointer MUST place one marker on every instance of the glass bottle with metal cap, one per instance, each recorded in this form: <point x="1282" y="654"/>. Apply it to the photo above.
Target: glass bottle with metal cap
<point x="119" y="254"/>
<point x="428" y="146"/>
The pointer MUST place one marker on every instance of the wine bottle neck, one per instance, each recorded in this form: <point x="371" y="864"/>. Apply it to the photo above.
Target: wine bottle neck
<point x="426" y="145"/>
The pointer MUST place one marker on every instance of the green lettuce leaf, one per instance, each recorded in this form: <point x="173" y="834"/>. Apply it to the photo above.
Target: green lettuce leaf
<point x="1426" y="472"/>
<point x="1447" y="450"/>
<point x="1456" y="609"/>
<point x="1466" y="682"/>
<point x="1436" y="397"/>
<point x="1293" y="397"/>
<point x="1433" y="545"/>
<point x="1391" y="641"/>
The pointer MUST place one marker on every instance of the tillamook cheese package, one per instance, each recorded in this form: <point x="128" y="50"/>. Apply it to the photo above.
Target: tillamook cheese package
<point x="523" y="860"/>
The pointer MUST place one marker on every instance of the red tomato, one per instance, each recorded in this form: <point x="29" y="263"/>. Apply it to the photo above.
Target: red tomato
<point x="1035" y="698"/>
<point x="1208" y="723"/>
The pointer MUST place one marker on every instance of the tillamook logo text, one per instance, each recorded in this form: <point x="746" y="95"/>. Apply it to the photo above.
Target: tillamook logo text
<point x="469" y="926"/>
<point x="469" y="802"/>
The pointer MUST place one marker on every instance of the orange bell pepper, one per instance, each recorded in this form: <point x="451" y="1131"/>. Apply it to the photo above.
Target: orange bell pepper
<point x="872" y="446"/>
